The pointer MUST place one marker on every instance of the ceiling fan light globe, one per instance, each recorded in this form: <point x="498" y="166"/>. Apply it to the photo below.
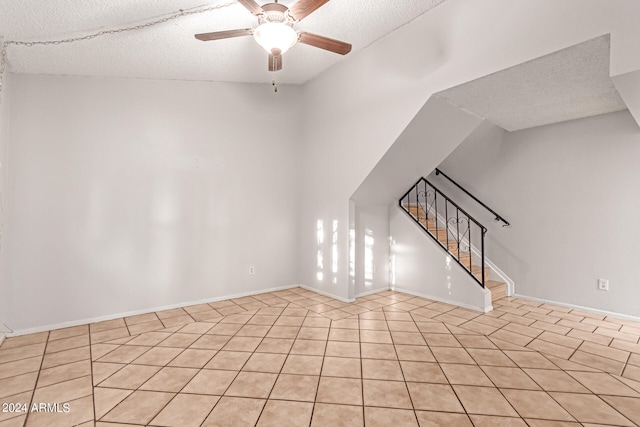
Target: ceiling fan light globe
<point x="275" y="35"/>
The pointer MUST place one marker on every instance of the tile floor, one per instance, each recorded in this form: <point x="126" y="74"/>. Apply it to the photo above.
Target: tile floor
<point x="297" y="358"/>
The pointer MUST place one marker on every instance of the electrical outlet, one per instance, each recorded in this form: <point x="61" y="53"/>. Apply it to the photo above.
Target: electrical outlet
<point x="603" y="284"/>
<point x="252" y="270"/>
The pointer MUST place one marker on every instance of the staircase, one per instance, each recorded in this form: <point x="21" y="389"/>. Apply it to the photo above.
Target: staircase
<point x="453" y="229"/>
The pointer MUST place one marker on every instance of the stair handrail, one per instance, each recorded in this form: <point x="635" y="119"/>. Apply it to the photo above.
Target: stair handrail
<point x="458" y="239"/>
<point x="498" y="216"/>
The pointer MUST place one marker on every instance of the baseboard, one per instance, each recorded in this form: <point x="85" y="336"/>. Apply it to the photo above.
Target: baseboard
<point x="2" y="337"/>
<point x="375" y="291"/>
<point x="458" y="304"/>
<point x="143" y="311"/>
<point x="581" y="308"/>
<point x="326" y="294"/>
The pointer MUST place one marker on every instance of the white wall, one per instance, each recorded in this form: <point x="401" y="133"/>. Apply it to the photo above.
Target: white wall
<point x="371" y="249"/>
<point x="356" y="110"/>
<point x="419" y="265"/>
<point x="4" y="174"/>
<point x="130" y="194"/>
<point x="570" y="193"/>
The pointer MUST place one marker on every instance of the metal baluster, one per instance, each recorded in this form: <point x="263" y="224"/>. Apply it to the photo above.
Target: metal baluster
<point x="435" y="202"/>
<point x="446" y="221"/>
<point x="482" y="253"/>
<point x="469" y="226"/>
<point x="458" y="230"/>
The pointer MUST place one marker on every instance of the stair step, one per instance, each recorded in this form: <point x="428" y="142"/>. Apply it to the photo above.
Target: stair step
<point x="498" y="289"/>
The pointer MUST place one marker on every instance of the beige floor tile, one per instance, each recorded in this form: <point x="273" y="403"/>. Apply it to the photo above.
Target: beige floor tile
<point x="342" y="349"/>
<point x="262" y="320"/>
<point x="295" y="387"/>
<point x="536" y="404"/>
<point x="66" y="356"/>
<point x="490" y="357"/>
<point x="275" y="345"/>
<point x="169" y="379"/>
<point x="433" y="397"/>
<point x="140" y="318"/>
<point x="64" y="372"/>
<point x="289" y="321"/>
<point x="105" y="399"/>
<point x="280" y="413"/>
<point x="67" y="343"/>
<point x="631" y="372"/>
<point x="549" y="348"/>
<point x="186" y="410"/>
<point x="605" y="351"/>
<point x="149" y="338"/>
<point x="130" y="377"/>
<point x="229" y="360"/>
<point x="484" y="401"/>
<point x="381" y="370"/>
<point x="410" y="338"/>
<point x="18" y="384"/>
<point x="530" y="359"/>
<point x="479" y="327"/>
<point x="252" y="384"/>
<point x="598" y="362"/>
<point x="442" y="419"/>
<point x="475" y="342"/>
<point x="234" y="411"/>
<point x="465" y="374"/>
<point x="423" y="372"/>
<point x="210" y="381"/>
<point x="490" y="421"/>
<point x="193" y="358"/>
<point x="389" y="394"/>
<point x="179" y="340"/>
<point x="505" y="377"/>
<point x="140" y="328"/>
<point x="25" y="340"/>
<point x="381" y="351"/>
<point x="283" y="332"/>
<point x="256" y="331"/>
<point x="587" y="408"/>
<point x="18" y="367"/>
<point x="139" y="407"/>
<point x="265" y="362"/>
<point x="441" y="340"/>
<point x="303" y="365"/>
<point x="308" y="347"/>
<point x="102" y="371"/>
<point x="555" y="380"/>
<point x="124" y="354"/>
<point x="351" y="335"/>
<point x="384" y="417"/>
<point x="512" y="337"/>
<point x="327" y="415"/>
<point x="157" y="356"/>
<point x="106" y="325"/>
<point x="211" y="342"/>
<point x="347" y="391"/>
<point x="10" y="354"/>
<point x="415" y="353"/>
<point x="628" y="406"/>
<point x="108" y="335"/>
<point x="342" y="367"/>
<point x="373" y="336"/>
<point x="227" y="329"/>
<point x="80" y="412"/>
<point x="523" y="330"/>
<point x="601" y="383"/>
<point x="452" y="355"/>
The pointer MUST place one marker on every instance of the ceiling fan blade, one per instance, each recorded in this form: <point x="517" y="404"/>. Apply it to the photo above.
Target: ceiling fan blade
<point x="304" y="8"/>
<point x="275" y="60"/>
<point x="217" y="35"/>
<point x="252" y="6"/>
<point x="325" y="43"/>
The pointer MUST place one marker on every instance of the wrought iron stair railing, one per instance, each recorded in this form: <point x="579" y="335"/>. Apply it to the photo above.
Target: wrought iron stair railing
<point x="448" y="224"/>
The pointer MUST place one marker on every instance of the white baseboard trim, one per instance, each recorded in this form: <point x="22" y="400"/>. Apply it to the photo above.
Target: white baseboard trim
<point x="458" y="304"/>
<point x="581" y="308"/>
<point x="374" y="291"/>
<point x="142" y="311"/>
<point x="2" y="338"/>
<point x="326" y="294"/>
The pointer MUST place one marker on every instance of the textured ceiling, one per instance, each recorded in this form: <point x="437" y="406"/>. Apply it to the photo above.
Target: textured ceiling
<point x="169" y="50"/>
<point x="569" y="84"/>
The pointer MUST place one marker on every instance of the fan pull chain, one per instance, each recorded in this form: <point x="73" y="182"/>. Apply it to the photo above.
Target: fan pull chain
<point x="275" y="85"/>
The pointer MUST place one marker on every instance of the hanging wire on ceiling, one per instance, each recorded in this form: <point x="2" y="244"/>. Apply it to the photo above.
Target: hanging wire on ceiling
<point x="173" y="16"/>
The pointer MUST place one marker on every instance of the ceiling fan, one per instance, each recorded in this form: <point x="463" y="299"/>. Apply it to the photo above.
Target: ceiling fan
<point x="275" y="31"/>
